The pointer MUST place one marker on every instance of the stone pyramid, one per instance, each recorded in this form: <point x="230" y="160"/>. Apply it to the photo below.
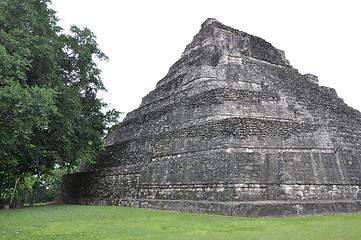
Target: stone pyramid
<point x="232" y="129"/>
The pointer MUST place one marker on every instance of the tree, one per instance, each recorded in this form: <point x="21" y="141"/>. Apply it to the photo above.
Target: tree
<point x="49" y="111"/>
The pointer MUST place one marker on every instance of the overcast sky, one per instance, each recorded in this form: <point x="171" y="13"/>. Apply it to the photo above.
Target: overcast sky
<point x="143" y="38"/>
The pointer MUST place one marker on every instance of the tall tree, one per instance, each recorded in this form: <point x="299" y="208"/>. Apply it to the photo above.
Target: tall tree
<point x="49" y="111"/>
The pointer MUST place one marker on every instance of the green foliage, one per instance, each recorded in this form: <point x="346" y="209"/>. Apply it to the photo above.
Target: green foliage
<point x="43" y="189"/>
<point x="49" y="111"/>
<point x="105" y="222"/>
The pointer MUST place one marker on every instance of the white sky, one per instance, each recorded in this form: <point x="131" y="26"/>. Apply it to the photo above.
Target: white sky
<point x="143" y="38"/>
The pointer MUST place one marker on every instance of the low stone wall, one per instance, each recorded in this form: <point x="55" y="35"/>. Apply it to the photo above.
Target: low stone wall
<point x="240" y="209"/>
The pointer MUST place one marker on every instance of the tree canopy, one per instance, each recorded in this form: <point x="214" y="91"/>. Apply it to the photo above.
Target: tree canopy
<point x="49" y="111"/>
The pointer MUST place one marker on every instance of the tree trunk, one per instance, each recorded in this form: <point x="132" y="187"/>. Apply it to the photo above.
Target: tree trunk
<point x="16" y="183"/>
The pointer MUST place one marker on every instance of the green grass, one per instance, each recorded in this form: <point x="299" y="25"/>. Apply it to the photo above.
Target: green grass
<point x="106" y="222"/>
<point x="35" y="204"/>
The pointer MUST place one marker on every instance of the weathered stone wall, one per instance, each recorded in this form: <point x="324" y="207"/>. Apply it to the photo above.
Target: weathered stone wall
<point x="232" y="121"/>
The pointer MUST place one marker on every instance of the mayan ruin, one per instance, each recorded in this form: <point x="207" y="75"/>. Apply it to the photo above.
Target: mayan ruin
<point x="232" y="129"/>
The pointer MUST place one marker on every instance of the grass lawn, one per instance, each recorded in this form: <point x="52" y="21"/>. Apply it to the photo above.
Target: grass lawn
<point x="106" y="222"/>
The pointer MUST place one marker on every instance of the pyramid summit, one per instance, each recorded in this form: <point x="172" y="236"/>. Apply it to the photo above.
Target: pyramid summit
<point x="234" y="43"/>
<point x="232" y="129"/>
